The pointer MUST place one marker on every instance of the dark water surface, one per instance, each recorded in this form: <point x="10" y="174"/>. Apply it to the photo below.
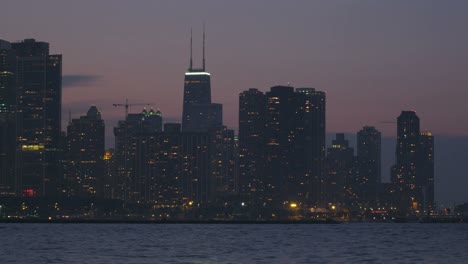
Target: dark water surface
<point x="231" y="243"/>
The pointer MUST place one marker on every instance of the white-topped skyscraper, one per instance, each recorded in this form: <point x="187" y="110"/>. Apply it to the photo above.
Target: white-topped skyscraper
<point x="199" y="114"/>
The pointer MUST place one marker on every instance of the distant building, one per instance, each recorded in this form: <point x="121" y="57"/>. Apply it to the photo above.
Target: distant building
<point x="369" y="151"/>
<point x="282" y="145"/>
<point x="426" y="164"/>
<point x="223" y="162"/>
<point x="199" y="114"/>
<point x="252" y="107"/>
<point x="110" y="183"/>
<point x="340" y="167"/>
<point x="85" y="153"/>
<point x="279" y="178"/>
<point x="310" y="143"/>
<point x="128" y="181"/>
<point x="39" y="102"/>
<point x="172" y="168"/>
<point x="413" y="173"/>
<point x="7" y="118"/>
<point x="404" y="173"/>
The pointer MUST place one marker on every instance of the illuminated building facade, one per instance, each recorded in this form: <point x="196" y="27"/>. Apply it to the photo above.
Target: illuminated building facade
<point x="294" y="145"/>
<point x="199" y="114"/>
<point x="279" y="178"/>
<point x="39" y="101"/>
<point x="413" y="173"/>
<point x="7" y="118"/>
<point x="223" y="162"/>
<point x="369" y="151"/>
<point x="172" y="168"/>
<point x="252" y="106"/>
<point x="142" y="123"/>
<point x="340" y="167"/>
<point x="110" y="183"/>
<point x="310" y="144"/>
<point x="426" y="170"/>
<point x="85" y="153"/>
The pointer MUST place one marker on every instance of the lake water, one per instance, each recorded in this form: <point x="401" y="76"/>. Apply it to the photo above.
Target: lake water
<point x="231" y="243"/>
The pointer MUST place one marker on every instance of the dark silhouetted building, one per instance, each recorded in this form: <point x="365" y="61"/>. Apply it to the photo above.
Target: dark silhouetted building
<point x="252" y="107"/>
<point x="279" y="178"/>
<point x="413" y="173"/>
<point x="310" y="143"/>
<point x="223" y="162"/>
<point x="199" y="114"/>
<point x="85" y="153"/>
<point x="140" y="124"/>
<point x="39" y="101"/>
<point x="368" y="178"/>
<point x="340" y="164"/>
<point x="426" y="164"/>
<point x="110" y="183"/>
<point x="282" y="146"/>
<point x="172" y="168"/>
<point x="7" y="118"/>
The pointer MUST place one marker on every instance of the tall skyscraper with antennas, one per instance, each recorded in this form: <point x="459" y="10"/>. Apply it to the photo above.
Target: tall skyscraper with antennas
<point x="199" y="114"/>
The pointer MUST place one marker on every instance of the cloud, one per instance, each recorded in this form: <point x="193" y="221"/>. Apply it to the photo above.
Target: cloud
<point x="73" y="80"/>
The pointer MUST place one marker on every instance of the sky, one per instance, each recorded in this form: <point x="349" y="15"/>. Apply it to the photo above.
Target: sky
<point x="372" y="58"/>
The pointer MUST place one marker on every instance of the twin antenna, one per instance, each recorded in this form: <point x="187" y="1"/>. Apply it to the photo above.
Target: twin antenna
<point x="191" y="44"/>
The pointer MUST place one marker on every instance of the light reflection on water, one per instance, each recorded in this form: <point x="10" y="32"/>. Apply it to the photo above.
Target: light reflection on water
<point x="230" y="243"/>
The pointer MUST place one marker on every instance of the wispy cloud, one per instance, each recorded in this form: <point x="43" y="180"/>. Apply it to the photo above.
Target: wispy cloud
<point x="74" y="80"/>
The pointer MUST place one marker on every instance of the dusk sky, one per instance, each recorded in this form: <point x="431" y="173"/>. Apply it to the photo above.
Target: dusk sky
<point x="372" y="58"/>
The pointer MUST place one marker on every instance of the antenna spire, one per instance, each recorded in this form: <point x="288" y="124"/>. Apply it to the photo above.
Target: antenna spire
<point x="191" y="61"/>
<point x="203" y="46"/>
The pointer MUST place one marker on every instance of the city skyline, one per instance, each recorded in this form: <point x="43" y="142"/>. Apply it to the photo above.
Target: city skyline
<point x="293" y="139"/>
<point x="434" y="90"/>
<point x="345" y="60"/>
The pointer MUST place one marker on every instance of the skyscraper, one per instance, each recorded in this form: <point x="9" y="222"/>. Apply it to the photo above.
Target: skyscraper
<point x="294" y="144"/>
<point x="404" y="173"/>
<point x="85" y="153"/>
<point x="199" y="114"/>
<point x="369" y="164"/>
<point x="170" y="168"/>
<point x="310" y="142"/>
<point x="135" y="125"/>
<point x="340" y="163"/>
<point x="426" y="169"/>
<point x="223" y="162"/>
<point x="39" y="102"/>
<point x="279" y="178"/>
<point x="7" y="118"/>
<point x="252" y="106"/>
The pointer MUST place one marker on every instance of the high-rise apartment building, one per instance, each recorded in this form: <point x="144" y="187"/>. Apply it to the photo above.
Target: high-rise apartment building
<point x="172" y="168"/>
<point x="279" y="177"/>
<point x="426" y="169"/>
<point x="413" y="173"/>
<point x="404" y="173"/>
<point x="368" y="178"/>
<point x="7" y="118"/>
<point x="340" y="165"/>
<point x="84" y="155"/>
<point x="310" y="143"/>
<point x="252" y="107"/>
<point x="143" y="123"/>
<point x="39" y="101"/>
<point x="282" y="145"/>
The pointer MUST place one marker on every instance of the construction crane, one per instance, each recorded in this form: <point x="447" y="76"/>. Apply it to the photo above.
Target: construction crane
<point x="127" y="105"/>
